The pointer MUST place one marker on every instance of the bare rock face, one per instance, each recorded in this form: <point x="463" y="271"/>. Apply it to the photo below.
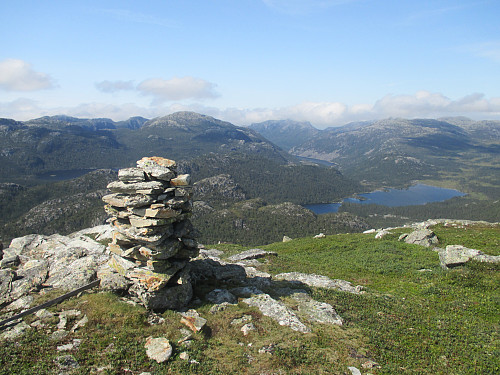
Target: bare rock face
<point x="423" y="237"/>
<point x="319" y="281"/>
<point x="63" y="262"/>
<point x="277" y="310"/>
<point x="153" y="240"/>
<point x="457" y="255"/>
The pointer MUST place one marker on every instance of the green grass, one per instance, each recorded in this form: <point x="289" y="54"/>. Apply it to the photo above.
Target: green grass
<point x="478" y="236"/>
<point x="414" y="318"/>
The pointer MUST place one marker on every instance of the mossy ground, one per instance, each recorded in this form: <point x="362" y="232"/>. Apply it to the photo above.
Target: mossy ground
<point x="414" y="319"/>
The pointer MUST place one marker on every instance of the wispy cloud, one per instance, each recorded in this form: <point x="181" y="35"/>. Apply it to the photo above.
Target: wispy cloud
<point x="18" y="75"/>
<point x="113" y="86"/>
<point x="489" y="50"/>
<point x="177" y="89"/>
<point x="434" y="12"/>
<point x="422" y="104"/>
<point x="137" y="17"/>
<point x="165" y="90"/>
<point x="295" y="7"/>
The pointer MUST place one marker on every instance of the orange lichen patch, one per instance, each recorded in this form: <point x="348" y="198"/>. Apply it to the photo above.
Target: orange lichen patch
<point x="189" y="322"/>
<point x="181" y="180"/>
<point x="160" y="161"/>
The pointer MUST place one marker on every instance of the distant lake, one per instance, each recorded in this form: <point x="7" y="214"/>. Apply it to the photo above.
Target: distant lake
<point x="414" y="195"/>
<point x="63" y="174"/>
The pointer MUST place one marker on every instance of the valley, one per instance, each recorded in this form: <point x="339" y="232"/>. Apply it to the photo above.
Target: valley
<point x="244" y="176"/>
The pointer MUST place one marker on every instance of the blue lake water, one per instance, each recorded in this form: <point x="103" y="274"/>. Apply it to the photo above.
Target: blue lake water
<point x="63" y="174"/>
<point x="414" y="195"/>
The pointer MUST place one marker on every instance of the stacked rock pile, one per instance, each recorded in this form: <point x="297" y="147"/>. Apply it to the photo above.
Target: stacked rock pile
<point x="153" y="240"/>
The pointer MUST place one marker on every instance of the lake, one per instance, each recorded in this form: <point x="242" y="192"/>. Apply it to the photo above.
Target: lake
<point x="63" y="174"/>
<point x="414" y="195"/>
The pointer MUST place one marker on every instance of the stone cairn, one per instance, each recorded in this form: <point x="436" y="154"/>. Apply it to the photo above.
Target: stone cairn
<point x="153" y="240"/>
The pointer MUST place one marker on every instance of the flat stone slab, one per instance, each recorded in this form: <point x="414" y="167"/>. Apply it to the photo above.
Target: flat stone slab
<point x="193" y="320"/>
<point x="278" y="311"/>
<point x="319" y="281"/>
<point x="251" y="254"/>
<point x="148" y="187"/>
<point x="456" y="255"/>
<point x="320" y="312"/>
<point x="423" y="237"/>
<point x="158" y="349"/>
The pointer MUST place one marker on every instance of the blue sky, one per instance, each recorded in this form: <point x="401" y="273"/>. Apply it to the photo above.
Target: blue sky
<point x="329" y="62"/>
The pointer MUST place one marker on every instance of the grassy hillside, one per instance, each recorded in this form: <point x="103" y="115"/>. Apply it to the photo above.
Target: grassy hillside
<point x="414" y="318"/>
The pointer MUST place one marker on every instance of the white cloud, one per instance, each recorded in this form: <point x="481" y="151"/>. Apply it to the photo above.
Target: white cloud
<point x="18" y="75"/>
<point x="177" y="89"/>
<point x="113" y="86"/>
<point x="21" y="109"/>
<point x="422" y="104"/>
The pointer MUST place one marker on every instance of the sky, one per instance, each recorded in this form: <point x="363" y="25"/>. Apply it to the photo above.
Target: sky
<point x="329" y="62"/>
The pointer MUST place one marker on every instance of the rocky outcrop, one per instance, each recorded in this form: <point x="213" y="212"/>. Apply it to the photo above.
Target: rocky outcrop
<point x="319" y="281"/>
<point x="153" y="239"/>
<point x="35" y="261"/>
<point x="457" y="255"/>
<point x="422" y="237"/>
<point x="284" y="297"/>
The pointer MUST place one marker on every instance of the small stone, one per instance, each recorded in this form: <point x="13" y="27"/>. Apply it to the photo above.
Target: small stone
<point x="219" y="296"/>
<point x="65" y="348"/>
<point x="62" y="322"/>
<point x="158" y="167"/>
<point x="251" y="254"/>
<point x="247" y="328"/>
<point x="181" y="180"/>
<point x="139" y="221"/>
<point x="269" y="349"/>
<point x="128" y="200"/>
<point x="66" y="362"/>
<point x="244" y="319"/>
<point x="59" y="335"/>
<point x="155" y="319"/>
<point x="149" y="187"/>
<point x="81" y="323"/>
<point x="186" y="335"/>
<point x="382" y="233"/>
<point x="286" y="239"/>
<point x="161" y="212"/>
<point x="193" y="320"/>
<point x="220" y="307"/>
<point x="184" y="356"/>
<point x="131" y="175"/>
<point x="370" y="364"/>
<point x="321" y="235"/>
<point x="158" y="349"/>
<point x="354" y="370"/>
